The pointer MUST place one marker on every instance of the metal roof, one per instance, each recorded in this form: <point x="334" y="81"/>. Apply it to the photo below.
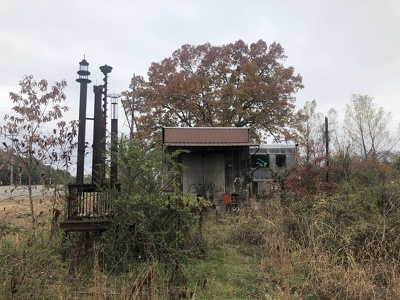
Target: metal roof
<point x="206" y="136"/>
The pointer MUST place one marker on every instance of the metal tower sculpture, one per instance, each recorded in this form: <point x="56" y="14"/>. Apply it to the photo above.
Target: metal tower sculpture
<point x="83" y="80"/>
<point x="99" y="128"/>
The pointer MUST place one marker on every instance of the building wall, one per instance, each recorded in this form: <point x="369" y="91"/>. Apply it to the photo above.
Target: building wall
<point x="204" y="174"/>
<point x="268" y="162"/>
<point x="212" y="171"/>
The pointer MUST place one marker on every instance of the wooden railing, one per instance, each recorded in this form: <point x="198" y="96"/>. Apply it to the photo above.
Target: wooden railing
<point x="89" y="201"/>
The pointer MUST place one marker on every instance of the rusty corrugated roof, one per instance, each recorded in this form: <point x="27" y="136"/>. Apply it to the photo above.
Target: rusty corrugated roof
<point x="206" y="136"/>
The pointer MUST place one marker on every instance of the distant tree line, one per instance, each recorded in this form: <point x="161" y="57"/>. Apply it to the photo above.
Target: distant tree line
<point x="43" y="174"/>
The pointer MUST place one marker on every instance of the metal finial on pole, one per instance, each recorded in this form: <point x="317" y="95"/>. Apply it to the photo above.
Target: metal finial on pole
<point x="105" y="70"/>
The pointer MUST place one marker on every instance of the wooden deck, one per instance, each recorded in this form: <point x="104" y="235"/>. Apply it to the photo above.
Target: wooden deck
<point x="85" y="225"/>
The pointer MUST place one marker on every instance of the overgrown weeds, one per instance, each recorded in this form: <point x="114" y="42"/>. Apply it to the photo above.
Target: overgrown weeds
<point x="341" y="246"/>
<point x="326" y="247"/>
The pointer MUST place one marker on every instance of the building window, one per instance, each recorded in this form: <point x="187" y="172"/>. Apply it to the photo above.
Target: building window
<point x="260" y="161"/>
<point x="281" y="160"/>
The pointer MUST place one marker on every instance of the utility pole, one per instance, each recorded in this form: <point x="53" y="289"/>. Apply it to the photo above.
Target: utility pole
<point x="327" y="148"/>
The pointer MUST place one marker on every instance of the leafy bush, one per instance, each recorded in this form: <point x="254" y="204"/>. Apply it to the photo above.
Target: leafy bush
<point x="151" y="224"/>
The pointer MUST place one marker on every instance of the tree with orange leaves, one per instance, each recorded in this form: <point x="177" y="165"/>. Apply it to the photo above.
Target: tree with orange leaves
<point x="235" y="85"/>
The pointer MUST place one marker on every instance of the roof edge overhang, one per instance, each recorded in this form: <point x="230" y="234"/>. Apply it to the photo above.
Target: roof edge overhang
<point x="206" y="136"/>
<point x="211" y="145"/>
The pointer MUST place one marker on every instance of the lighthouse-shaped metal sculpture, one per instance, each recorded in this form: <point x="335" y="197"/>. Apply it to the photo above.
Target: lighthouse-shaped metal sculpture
<point x="83" y="80"/>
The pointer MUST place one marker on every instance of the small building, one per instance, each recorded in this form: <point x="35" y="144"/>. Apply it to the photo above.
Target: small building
<point x="268" y="162"/>
<point x="217" y="163"/>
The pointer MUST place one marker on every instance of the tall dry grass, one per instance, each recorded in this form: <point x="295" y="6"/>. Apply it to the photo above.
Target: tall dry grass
<point x="309" y="252"/>
<point x="325" y="247"/>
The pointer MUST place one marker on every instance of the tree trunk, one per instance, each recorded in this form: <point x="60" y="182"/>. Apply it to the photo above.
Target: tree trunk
<point x="31" y="204"/>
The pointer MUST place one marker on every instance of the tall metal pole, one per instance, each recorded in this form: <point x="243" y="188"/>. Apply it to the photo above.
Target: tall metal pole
<point x="133" y="108"/>
<point x="83" y="80"/>
<point x="327" y="148"/>
<point x="105" y="70"/>
<point x="98" y="137"/>
<point x="114" y="139"/>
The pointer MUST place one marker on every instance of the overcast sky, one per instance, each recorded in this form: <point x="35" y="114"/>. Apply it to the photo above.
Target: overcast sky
<point x="340" y="47"/>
